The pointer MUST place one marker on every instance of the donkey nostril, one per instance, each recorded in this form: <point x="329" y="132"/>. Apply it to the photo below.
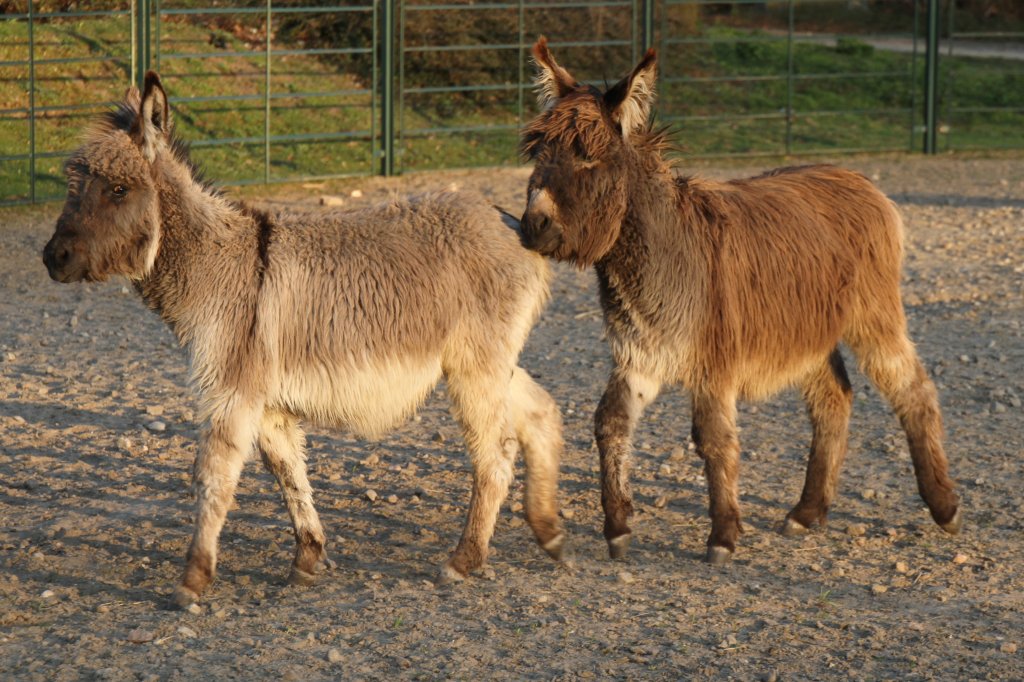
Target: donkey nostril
<point x="540" y="232"/>
<point x="56" y="255"/>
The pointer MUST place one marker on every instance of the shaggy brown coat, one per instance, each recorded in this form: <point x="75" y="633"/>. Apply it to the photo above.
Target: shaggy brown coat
<point x="345" y="318"/>
<point x="732" y="289"/>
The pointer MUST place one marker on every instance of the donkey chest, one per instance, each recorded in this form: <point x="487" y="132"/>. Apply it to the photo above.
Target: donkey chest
<point x="656" y="340"/>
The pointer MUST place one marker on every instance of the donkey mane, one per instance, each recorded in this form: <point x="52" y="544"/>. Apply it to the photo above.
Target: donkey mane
<point x="586" y="131"/>
<point x="122" y="118"/>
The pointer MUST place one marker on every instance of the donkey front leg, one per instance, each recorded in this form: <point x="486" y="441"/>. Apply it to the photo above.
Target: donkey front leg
<point x="481" y="405"/>
<point x="280" y="444"/>
<point x="625" y="398"/>
<point x="714" y="433"/>
<point x="225" y="445"/>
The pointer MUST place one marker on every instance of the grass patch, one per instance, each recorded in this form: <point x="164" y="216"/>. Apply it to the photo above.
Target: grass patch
<point x="731" y="96"/>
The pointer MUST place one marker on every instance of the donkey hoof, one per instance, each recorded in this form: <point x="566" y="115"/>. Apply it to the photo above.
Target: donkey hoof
<point x="954" y="525"/>
<point x="718" y="555"/>
<point x="322" y="565"/>
<point x="617" y="547"/>
<point x="448" y="575"/>
<point x="792" y="528"/>
<point x="555" y="547"/>
<point x="301" y="578"/>
<point x="184" y="598"/>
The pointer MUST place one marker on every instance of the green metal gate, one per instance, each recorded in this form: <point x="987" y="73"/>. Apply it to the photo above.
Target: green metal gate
<point x="285" y="90"/>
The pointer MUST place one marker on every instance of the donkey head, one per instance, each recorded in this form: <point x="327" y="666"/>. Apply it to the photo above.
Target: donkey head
<point x="110" y="224"/>
<point x="581" y="148"/>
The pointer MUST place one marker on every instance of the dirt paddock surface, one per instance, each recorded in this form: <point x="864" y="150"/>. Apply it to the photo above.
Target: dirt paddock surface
<point x="98" y="435"/>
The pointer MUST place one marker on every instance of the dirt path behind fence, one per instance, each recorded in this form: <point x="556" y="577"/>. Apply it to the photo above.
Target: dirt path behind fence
<point x="95" y="513"/>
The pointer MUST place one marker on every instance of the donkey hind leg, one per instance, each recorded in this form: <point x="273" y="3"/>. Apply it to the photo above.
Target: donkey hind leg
<point x="280" y="443"/>
<point x="892" y="364"/>
<point x="538" y="427"/>
<point x="624" y="400"/>
<point x="714" y="433"/>
<point x="226" y="444"/>
<point x="829" y="399"/>
<point x="481" y="405"/>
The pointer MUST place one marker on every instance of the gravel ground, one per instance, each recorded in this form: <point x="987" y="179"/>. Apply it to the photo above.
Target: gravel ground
<point x="95" y="514"/>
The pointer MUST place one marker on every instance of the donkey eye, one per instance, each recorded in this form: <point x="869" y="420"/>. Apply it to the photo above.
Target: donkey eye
<point x="119" y="191"/>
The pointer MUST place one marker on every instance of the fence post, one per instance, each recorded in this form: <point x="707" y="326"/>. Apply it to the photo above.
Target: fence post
<point x="931" y="78"/>
<point x="648" y="24"/>
<point x="790" y="62"/>
<point x="387" y="123"/>
<point x="140" y="56"/>
<point x="31" y="104"/>
<point x="268" y="47"/>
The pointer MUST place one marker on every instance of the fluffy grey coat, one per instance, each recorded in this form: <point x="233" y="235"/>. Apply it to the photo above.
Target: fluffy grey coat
<point x="344" y="318"/>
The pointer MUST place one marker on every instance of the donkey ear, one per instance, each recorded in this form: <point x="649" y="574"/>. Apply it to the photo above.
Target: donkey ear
<point x="132" y="98"/>
<point x="629" y="101"/>
<point x="552" y="81"/>
<point x="154" y="122"/>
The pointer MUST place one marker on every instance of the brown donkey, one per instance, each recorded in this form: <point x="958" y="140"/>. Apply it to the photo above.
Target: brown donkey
<point x="346" y="318"/>
<point x="732" y="289"/>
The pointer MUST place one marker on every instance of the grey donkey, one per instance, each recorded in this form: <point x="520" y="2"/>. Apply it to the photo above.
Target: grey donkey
<point x="345" y="318"/>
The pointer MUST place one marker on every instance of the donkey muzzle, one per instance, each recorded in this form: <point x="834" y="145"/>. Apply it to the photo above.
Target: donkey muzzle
<point x="58" y="257"/>
<point x="541" y="233"/>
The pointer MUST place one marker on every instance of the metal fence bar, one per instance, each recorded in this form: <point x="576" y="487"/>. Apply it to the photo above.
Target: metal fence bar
<point x="326" y="9"/>
<point x="911" y="124"/>
<point x="520" y="62"/>
<point x="261" y="52"/>
<point x="375" y="147"/>
<point x="387" y="126"/>
<point x="142" y="40"/>
<point x="534" y="5"/>
<point x="266" y="95"/>
<point x="31" y="105"/>
<point x="157" y="50"/>
<point x="931" y="78"/>
<point x="648" y="29"/>
<point x="790" y="22"/>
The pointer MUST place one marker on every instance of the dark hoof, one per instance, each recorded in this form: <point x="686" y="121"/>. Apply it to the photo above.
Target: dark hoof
<point x="183" y="598"/>
<point x="618" y="547"/>
<point x="954" y="525"/>
<point x="792" y="528"/>
<point x="555" y="547"/>
<point x="301" y="578"/>
<point x="718" y="555"/>
<point x="449" y="575"/>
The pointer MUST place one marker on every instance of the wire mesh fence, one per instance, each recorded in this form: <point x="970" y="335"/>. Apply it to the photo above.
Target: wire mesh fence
<point x="283" y="90"/>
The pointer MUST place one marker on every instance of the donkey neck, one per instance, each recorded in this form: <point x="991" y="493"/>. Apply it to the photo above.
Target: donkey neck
<point x="204" y="251"/>
<point x="647" y="226"/>
<point x="652" y="277"/>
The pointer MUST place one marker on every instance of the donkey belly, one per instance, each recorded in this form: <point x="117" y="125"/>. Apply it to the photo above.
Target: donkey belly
<point x="369" y="399"/>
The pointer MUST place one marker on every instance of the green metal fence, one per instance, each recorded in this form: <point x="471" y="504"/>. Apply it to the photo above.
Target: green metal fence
<point x="777" y="78"/>
<point x="284" y="90"/>
<point x="987" y="112"/>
